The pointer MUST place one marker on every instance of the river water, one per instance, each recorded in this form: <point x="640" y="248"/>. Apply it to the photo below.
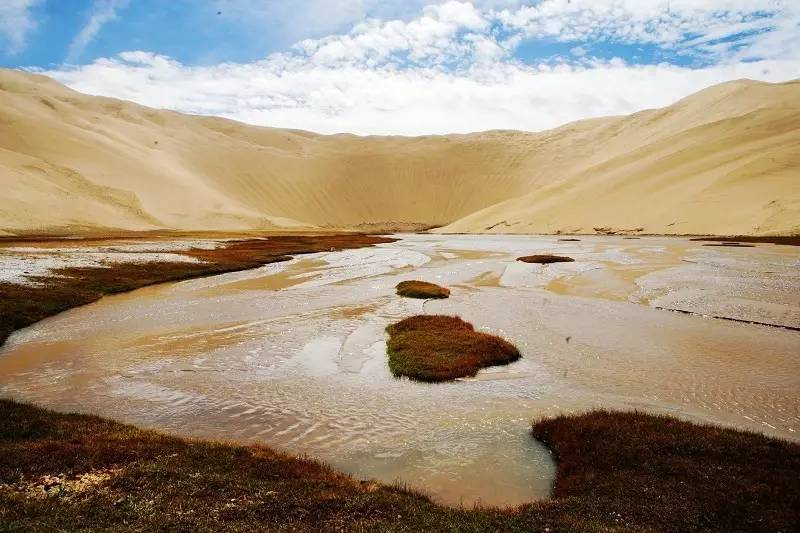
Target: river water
<point x="293" y="354"/>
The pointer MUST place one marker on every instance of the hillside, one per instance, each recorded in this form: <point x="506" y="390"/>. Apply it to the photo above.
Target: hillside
<point x="724" y="161"/>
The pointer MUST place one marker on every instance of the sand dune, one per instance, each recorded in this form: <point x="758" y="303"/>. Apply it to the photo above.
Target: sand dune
<point x="725" y="160"/>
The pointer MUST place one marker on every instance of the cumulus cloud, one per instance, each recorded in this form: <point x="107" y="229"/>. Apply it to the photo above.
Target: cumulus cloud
<point x="103" y="12"/>
<point x="16" y="22"/>
<point x="453" y="67"/>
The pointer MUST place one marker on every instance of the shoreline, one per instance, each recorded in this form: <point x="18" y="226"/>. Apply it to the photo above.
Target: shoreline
<point x="22" y="305"/>
<point x="587" y="495"/>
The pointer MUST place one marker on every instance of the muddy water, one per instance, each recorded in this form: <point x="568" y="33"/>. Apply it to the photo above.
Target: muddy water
<point x="293" y="354"/>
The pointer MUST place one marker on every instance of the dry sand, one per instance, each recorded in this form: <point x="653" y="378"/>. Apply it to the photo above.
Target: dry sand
<point x="723" y="161"/>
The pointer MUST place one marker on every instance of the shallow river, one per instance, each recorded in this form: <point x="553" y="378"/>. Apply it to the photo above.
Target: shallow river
<point x="293" y="354"/>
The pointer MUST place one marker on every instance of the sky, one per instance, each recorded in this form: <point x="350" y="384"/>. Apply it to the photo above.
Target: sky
<point x="402" y="67"/>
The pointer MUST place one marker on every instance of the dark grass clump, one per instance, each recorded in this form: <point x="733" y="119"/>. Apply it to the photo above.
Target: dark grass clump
<point x="786" y="240"/>
<point x="421" y="289"/>
<point x="569" y="240"/>
<point x="657" y="473"/>
<point x="731" y="245"/>
<point x="22" y="305"/>
<point x="436" y="348"/>
<point x="616" y="472"/>
<point x="545" y="259"/>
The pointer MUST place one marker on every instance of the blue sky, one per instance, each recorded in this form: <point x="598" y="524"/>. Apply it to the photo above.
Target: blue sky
<point x="408" y="67"/>
<point x="189" y="31"/>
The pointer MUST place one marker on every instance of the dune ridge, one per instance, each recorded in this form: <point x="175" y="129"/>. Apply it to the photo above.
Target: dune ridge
<point x="725" y="160"/>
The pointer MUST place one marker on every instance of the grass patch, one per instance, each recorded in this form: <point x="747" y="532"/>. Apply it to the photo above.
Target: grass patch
<point x="545" y="259"/>
<point x="616" y="471"/>
<point x="23" y="305"/>
<point x="787" y="240"/>
<point x="569" y="240"/>
<point x="661" y="474"/>
<point x="421" y="289"/>
<point x="436" y="348"/>
<point x="730" y="245"/>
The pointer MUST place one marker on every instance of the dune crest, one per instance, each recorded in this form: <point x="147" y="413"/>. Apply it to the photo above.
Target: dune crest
<point x="722" y="161"/>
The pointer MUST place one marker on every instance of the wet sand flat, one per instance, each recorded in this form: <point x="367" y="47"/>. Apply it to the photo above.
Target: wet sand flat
<point x="293" y="354"/>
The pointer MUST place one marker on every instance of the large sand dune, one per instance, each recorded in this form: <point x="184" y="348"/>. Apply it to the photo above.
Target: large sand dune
<point x="724" y="161"/>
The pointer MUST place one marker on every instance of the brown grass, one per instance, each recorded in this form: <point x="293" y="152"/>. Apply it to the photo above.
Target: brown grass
<point x="421" y="289"/>
<point x="658" y="473"/>
<point x="435" y="348"/>
<point x="545" y="259"/>
<point x="787" y="240"/>
<point x="616" y="472"/>
<point x="22" y="305"/>
<point x="731" y="245"/>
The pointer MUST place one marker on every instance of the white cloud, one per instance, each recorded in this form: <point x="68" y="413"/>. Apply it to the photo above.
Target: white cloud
<point x="16" y="22"/>
<point x="416" y="101"/>
<point x="680" y="24"/>
<point x="103" y="12"/>
<point x="299" y="19"/>
<point x="452" y="68"/>
<point x="433" y="37"/>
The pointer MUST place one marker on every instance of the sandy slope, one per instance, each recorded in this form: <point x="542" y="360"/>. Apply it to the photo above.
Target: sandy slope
<point x="726" y="160"/>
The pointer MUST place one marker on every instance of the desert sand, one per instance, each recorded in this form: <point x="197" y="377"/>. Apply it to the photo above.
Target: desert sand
<point x="723" y="161"/>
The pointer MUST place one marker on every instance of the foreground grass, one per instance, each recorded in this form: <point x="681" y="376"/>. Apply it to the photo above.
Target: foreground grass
<point x="616" y="471"/>
<point x="22" y="305"/>
<point x="545" y="259"/>
<point x="421" y="289"/>
<point x="442" y="348"/>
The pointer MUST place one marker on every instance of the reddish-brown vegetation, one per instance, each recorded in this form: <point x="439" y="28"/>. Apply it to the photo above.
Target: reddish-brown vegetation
<point x="788" y="240"/>
<point x="616" y="472"/>
<point x="22" y="305"/>
<point x="657" y="473"/>
<point x="545" y="259"/>
<point x="442" y="348"/>
<point x="421" y="289"/>
<point x="730" y="245"/>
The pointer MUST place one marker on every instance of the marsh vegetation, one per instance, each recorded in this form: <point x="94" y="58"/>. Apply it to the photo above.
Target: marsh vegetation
<point x="616" y="471"/>
<point x="545" y="259"/>
<point x="422" y="290"/>
<point x="442" y="348"/>
<point x="24" y="304"/>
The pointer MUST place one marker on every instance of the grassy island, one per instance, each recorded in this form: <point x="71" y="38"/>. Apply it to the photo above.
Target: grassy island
<point x="545" y="259"/>
<point x="421" y="289"/>
<point x="442" y="348"/>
